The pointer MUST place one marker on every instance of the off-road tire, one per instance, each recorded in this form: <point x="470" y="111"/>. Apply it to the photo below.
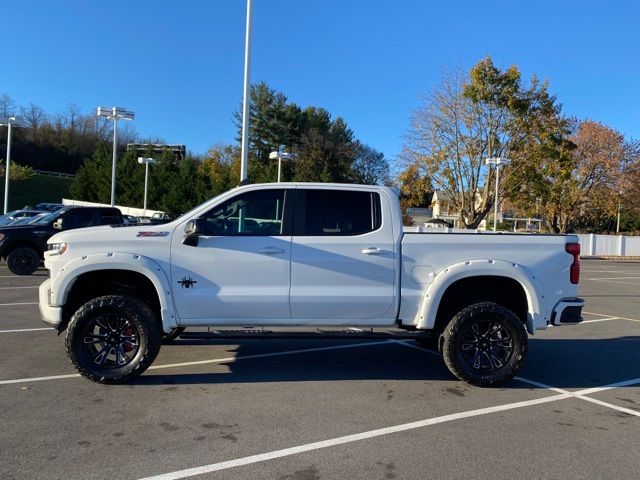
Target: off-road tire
<point x="140" y="317"/>
<point x="172" y="335"/>
<point x="23" y="261"/>
<point x="460" y="330"/>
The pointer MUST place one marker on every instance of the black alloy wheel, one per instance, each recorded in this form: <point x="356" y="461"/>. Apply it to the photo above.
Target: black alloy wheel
<point x="110" y="340"/>
<point x="23" y="261"/>
<point x="113" y="338"/>
<point x="485" y="344"/>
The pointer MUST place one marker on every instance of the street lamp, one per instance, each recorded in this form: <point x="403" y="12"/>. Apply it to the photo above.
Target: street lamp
<point x="498" y="162"/>
<point x="244" y="155"/>
<point x="280" y="156"/>
<point x="115" y="114"/>
<point x="146" y="162"/>
<point x="9" y="122"/>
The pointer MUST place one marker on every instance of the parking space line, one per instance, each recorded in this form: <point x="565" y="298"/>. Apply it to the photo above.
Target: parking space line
<point x="581" y="394"/>
<point x="619" y="318"/>
<point x="624" y="383"/>
<point x="214" y="467"/>
<point x="615" y="278"/>
<point x="213" y="360"/>
<point x="18" y="303"/>
<point x="15" y="288"/>
<point x="22" y="276"/>
<point x="615" y="281"/>
<point x="600" y="320"/>
<point x="38" y="379"/>
<point x="26" y="330"/>
<point x="609" y="405"/>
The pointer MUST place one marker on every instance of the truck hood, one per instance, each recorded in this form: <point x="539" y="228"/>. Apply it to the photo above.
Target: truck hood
<point x="18" y="229"/>
<point x="112" y="234"/>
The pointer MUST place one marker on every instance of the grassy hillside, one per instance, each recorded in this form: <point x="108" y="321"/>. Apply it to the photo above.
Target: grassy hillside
<point x="37" y="189"/>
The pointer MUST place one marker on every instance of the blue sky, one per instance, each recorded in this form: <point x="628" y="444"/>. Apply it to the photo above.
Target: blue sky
<point x="178" y="64"/>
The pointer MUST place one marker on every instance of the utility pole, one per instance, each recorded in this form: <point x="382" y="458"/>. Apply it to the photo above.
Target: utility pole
<point x="245" y="98"/>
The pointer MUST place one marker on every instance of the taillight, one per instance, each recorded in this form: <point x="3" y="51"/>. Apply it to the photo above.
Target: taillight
<point x="574" y="271"/>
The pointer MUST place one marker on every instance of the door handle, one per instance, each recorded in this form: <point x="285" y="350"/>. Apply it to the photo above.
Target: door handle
<point x="271" y="250"/>
<point x="374" y="251"/>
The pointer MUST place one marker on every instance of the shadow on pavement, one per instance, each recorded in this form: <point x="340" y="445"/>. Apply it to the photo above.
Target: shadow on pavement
<point x="562" y="363"/>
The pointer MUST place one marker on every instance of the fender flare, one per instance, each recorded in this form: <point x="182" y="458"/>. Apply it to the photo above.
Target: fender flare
<point x="426" y="317"/>
<point x="64" y="281"/>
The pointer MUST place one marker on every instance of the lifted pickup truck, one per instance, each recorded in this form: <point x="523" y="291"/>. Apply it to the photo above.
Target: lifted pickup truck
<point x="317" y="255"/>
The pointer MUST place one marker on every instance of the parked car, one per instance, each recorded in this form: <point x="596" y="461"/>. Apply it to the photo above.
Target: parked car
<point x="130" y="220"/>
<point x="292" y="254"/>
<point x="23" y="246"/>
<point x="157" y="218"/>
<point x="50" y="207"/>
<point x="18" y="214"/>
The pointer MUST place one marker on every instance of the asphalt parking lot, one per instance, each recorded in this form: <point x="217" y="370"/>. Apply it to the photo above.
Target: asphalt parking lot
<point x="328" y="409"/>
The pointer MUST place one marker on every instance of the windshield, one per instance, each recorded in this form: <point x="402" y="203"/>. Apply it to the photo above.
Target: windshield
<point x="50" y="217"/>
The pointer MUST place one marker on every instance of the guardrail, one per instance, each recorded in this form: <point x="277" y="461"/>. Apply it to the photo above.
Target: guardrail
<point x="55" y="174"/>
<point x="136" y="212"/>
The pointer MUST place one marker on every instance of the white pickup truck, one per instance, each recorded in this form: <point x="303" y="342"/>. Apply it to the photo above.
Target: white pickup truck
<point x="303" y="254"/>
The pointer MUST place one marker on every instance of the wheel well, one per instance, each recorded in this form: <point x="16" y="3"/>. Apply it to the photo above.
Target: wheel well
<point x="486" y="288"/>
<point x="108" y="282"/>
<point x="21" y="243"/>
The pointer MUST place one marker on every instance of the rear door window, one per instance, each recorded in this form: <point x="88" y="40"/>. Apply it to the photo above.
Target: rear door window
<point x="336" y="212"/>
<point x="110" y="217"/>
<point x="78" y="219"/>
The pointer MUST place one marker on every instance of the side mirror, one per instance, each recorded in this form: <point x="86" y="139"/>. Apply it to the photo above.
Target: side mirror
<point x="192" y="230"/>
<point x="59" y="224"/>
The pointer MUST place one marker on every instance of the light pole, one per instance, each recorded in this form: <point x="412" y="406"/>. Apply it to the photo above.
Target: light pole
<point x="244" y="156"/>
<point x="115" y="114"/>
<point x="498" y="162"/>
<point x="146" y="162"/>
<point x="280" y="156"/>
<point x="9" y="122"/>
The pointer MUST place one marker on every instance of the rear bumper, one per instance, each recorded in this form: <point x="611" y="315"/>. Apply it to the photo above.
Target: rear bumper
<point x="51" y="314"/>
<point x="567" y="312"/>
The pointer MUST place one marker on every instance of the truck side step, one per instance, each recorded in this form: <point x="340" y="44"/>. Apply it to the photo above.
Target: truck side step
<point x="319" y="333"/>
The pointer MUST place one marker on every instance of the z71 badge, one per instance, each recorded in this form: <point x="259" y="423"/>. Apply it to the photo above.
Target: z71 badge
<point x="152" y="234"/>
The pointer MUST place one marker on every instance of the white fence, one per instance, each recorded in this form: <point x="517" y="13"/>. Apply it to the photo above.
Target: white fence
<point x="136" y="212"/>
<point x="591" y="245"/>
<point x="609" y="245"/>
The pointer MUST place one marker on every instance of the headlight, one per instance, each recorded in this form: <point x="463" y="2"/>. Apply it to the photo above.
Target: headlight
<point x="57" y="248"/>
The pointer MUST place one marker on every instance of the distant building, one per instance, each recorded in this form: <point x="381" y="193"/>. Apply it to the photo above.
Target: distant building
<point x="444" y="209"/>
<point x="158" y="149"/>
<point x="419" y="215"/>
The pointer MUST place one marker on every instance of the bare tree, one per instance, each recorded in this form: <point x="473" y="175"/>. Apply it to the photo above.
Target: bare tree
<point x="7" y="105"/>
<point x="468" y="118"/>
<point x="33" y="115"/>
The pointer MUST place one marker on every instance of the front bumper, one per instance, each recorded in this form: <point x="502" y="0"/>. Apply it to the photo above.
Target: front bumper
<point x="51" y="314"/>
<point x="567" y="312"/>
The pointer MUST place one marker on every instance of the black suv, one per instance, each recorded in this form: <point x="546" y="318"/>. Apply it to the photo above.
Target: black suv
<point x="23" y="246"/>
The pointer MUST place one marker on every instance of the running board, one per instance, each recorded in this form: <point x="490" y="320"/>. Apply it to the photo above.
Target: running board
<point x="319" y="333"/>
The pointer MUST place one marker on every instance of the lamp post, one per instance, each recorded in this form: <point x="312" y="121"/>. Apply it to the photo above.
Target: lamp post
<point x="146" y="162"/>
<point x="115" y="114"/>
<point x="498" y="162"/>
<point x="9" y="122"/>
<point x="244" y="156"/>
<point x="280" y="156"/>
